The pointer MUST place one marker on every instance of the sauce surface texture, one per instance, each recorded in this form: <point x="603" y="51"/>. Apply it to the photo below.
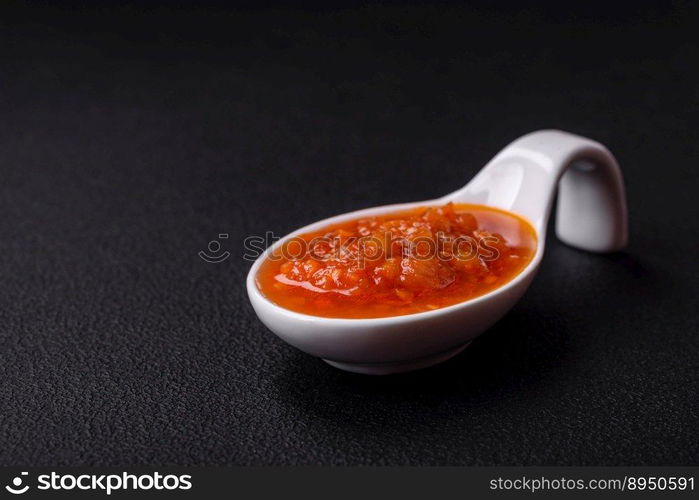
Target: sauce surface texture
<point x="398" y="263"/>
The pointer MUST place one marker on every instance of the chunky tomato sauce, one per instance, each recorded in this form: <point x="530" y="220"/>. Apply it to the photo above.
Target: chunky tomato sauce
<point x="398" y="263"/>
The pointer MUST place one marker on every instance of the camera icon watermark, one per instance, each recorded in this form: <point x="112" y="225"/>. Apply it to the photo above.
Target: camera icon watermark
<point x="16" y="487"/>
<point x="213" y="253"/>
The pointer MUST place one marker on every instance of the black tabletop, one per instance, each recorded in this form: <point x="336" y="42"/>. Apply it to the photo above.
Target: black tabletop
<point x="132" y="136"/>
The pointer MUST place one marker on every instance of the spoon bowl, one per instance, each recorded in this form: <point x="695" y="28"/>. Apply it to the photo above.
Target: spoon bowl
<point x="521" y="179"/>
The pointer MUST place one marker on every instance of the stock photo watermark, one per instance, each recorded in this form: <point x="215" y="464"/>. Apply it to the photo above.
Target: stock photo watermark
<point x="99" y="483"/>
<point x="359" y="249"/>
<point x="213" y="253"/>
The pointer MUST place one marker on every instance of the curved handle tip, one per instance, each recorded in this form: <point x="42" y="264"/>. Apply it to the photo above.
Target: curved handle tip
<point x="525" y="175"/>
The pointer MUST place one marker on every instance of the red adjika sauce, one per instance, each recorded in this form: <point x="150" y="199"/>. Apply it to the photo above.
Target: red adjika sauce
<point x="399" y="263"/>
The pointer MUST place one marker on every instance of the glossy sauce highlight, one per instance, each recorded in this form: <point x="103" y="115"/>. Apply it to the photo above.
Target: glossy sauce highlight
<point x="399" y="263"/>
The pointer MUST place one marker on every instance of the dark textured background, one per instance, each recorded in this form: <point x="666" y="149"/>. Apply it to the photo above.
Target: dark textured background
<point x="132" y="136"/>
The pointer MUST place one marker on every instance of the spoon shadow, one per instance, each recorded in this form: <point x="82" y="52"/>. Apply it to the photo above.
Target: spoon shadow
<point x="527" y="349"/>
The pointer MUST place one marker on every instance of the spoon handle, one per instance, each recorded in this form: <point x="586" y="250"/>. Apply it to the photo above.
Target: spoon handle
<point x="523" y="178"/>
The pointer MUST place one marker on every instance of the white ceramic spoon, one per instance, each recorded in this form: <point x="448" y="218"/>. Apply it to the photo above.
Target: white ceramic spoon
<point x="522" y="178"/>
